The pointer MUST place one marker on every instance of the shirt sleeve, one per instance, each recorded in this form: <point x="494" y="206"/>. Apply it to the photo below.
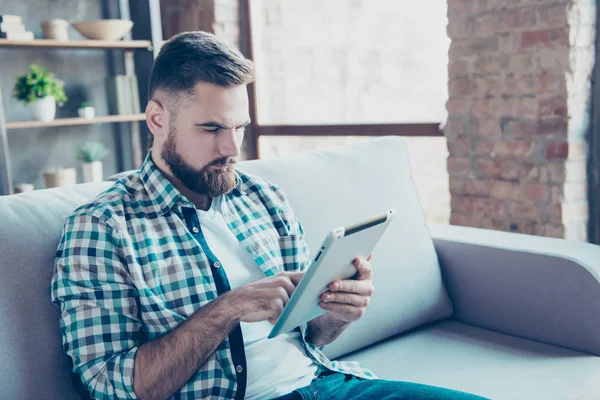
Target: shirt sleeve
<point x="99" y="320"/>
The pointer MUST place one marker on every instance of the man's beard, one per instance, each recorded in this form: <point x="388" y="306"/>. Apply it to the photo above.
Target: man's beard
<point x="213" y="183"/>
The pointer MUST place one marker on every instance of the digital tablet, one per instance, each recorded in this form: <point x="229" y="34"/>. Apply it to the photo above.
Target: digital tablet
<point x="333" y="261"/>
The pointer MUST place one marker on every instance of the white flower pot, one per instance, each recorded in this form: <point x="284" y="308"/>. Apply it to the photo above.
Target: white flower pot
<point x="60" y="177"/>
<point x="86" y="112"/>
<point x="44" y="109"/>
<point x="92" y="172"/>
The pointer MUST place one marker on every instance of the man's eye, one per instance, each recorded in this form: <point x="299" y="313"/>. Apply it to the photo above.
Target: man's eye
<point x="215" y="130"/>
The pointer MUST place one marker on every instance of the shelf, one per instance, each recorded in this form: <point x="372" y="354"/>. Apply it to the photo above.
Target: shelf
<point x="75" y="121"/>
<point x="78" y="44"/>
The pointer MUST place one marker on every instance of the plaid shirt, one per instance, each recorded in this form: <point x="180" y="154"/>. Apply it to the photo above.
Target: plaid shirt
<point x="133" y="264"/>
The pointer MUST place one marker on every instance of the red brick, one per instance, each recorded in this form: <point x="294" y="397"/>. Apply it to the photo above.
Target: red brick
<point x="455" y="127"/>
<point x="483" y="147"/>
<point x="486" y="108"/>
<point x="552" y="106"/>
<point x="556" y="194"/>
<point x="557" y="151"/>
<point x="461" y="87"/>
<point x="516" y="84"/>
<point x="491" y="63"/>
<point x="505" y="190"/>
<point x="528" y="128"/>
<point x="509" y="42"/>
<point x="488" y="86"/>
<point x="478" y="206"/>
<point x="458" y="166"/>
<point x="555" y="231"/>
<point x="556" y="172"/>
<point x="456" y="185"/>
<point x="535" y="191"/>
<point x="459" y="147"/>
<point x="494" y="223"/>
<point x="525" y="107"/>
<point x="459" y="27"/>
<point x="458" y="69"/>
<point x="512" y="149"/>
<point x="462" y="219"/>
<point x="545" y="38"/>
<point x="458" y="107"/>
<point x="522" y="210"/>
<point x="472" y="46"/>
<point x="555" y="127"/>
<point x="504" y="21"/>
<point x="489" y="128"/>
<point x="458" y="8"/>
<point x="529" y="172"/>
<point x="497" y="169"/>
<point x="553" y="16"/>
<point x="478" y="187"/>
<point x="555" y="213"/>
<point x="521" y="63"/>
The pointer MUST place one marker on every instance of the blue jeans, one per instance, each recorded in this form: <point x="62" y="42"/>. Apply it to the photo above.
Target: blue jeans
<point x="346" y="387"/>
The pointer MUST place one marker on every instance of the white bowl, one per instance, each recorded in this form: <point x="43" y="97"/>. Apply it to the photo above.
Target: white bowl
<point x="104" y="29"/>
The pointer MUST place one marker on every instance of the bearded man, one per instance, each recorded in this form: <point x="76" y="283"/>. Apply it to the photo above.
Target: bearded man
<point x="169" y="281"/>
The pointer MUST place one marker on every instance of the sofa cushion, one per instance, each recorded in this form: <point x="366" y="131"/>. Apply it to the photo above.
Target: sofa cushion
<point x="340" y="187"/>
<point x="462" y="357"/>
<point x="33" y="364"/>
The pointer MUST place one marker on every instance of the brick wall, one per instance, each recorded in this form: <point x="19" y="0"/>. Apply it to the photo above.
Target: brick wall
<point x="518" y="110"/>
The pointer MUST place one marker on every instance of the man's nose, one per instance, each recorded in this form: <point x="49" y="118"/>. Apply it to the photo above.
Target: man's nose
<point x="229" y="143"/>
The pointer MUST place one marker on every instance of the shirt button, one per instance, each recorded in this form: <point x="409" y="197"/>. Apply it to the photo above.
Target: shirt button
<point x="195" y="229"/>
<point x="239" y="369"/>
<point x="217" y="265"/>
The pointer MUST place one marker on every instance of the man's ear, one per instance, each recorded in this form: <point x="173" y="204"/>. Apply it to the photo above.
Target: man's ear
<point x="157" y="119"/>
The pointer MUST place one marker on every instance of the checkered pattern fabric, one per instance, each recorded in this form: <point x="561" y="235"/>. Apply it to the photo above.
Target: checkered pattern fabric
<point x="128" y="270"/>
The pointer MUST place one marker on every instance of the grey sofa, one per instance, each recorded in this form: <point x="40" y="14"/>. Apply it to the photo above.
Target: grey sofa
<point x="501" y="315"/>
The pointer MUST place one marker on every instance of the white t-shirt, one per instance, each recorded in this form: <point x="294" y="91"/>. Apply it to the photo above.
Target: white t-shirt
<point x="275" y="366"/>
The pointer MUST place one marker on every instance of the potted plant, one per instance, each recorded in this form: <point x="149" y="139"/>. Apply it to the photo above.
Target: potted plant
<point x="41" y="90"/>
<point x="91" y="154"/>
<point x="86" y="110"/>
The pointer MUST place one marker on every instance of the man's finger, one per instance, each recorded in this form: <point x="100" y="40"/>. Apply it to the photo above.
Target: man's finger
<point x="365" y="269"/>
<point x="345" y="298"/>
<point x="350" y="313"/>
<point x="361" y="287"/>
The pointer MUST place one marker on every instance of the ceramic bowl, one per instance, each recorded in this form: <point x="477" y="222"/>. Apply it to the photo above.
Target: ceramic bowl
<point x="104" y="29"/>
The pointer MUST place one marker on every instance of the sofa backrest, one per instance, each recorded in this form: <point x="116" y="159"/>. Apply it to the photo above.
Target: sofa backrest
<point x="326" y="188"/>
<point x="32" y="364"/>
<point x="344" y="186"/>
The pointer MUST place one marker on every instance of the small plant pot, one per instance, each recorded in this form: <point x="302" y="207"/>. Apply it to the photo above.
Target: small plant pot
<point x="24" y="188"/>
<point x="43" y="109"/>
<point x="92" y="172"/>
<point x="60" y="177"/>
<point x="86" y="112"/>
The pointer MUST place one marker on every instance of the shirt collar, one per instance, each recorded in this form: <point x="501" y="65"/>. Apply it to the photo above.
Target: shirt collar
<point x="163" y="194"/>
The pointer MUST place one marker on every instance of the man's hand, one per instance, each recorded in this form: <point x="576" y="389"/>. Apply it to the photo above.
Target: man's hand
<point x="346" y="301"/>
<point x="263" y="299"/>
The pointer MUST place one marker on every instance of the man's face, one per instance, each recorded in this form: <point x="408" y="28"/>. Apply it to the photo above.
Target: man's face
<point x="204" y="139"/>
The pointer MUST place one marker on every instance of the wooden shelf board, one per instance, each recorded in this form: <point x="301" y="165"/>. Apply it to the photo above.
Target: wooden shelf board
<point x="75" y="121"/>
<point x="78" y="44"/>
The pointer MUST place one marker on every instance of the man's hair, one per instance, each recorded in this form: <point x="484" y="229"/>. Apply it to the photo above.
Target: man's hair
<point x="191" y="57"/>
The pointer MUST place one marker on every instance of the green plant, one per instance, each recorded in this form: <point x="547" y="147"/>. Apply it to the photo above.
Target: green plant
<point x="85" y="104"/>
<point x="37" y="84"/>
<point x="91" y="151"/>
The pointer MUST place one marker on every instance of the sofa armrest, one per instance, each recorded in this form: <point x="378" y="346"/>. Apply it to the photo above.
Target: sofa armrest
<point x="536" y="288"/>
